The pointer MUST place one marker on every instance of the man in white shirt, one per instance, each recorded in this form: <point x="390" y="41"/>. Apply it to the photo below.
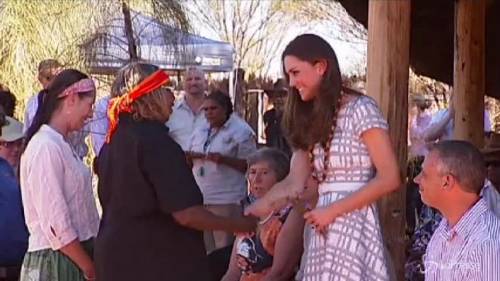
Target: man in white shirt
<point x="466" y="244"/>
<point x="187" y="113"/>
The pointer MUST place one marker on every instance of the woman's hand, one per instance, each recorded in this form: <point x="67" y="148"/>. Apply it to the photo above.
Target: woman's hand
<point x="321" y="217"/>
<point x="259" y="208"/>
<point x="243" y="264"/>
<point x="89" y="272"/>
<point x="74" y="250"/>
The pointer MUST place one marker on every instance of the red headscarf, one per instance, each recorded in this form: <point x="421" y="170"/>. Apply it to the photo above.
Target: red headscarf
<point x="124" y="103"/>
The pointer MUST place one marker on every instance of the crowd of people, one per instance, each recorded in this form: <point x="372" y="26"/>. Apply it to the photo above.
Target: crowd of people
<point x="187" y="194"/>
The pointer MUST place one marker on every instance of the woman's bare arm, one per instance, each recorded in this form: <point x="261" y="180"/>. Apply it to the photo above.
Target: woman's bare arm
<point x="386" y="180"/>
<point x="288" y="248"/>
<point x="233" y="272"/>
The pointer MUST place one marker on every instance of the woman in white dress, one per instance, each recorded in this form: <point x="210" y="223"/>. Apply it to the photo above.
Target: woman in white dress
<point x="322" y="116"/>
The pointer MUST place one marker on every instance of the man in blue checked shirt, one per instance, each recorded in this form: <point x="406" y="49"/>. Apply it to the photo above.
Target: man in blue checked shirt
<point x="466" y="245"/>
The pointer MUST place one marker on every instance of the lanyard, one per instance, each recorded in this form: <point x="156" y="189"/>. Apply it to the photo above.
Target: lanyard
<point x="209" y="140"/>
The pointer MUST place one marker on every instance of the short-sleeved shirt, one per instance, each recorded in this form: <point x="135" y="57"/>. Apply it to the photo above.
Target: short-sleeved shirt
<point x="13" y="231"/>
<point x="182" y="123"/>
<point x="143" y="179"/>
<point x="219" y="183"/>
<point x="349" y="158"/>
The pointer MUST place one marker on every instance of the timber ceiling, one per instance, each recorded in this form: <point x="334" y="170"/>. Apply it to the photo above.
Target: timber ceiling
<point x="432" y="34"/>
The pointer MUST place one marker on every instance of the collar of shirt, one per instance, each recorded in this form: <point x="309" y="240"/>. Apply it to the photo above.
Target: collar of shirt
<point x="466" y="224"/>
<point x="487" y="185"/>
<point x="51" y="132"/>
<point x="182" y="104"/>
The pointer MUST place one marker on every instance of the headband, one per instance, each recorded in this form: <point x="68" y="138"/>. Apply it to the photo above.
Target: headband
<point x="81" y="86"/>
<point x="124" y="103"/>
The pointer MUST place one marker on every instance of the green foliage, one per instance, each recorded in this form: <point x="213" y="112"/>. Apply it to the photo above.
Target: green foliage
<point x="32" y="31"/>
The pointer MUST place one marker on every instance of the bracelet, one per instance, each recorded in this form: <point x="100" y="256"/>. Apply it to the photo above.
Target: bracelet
<point x="267" y="218"/>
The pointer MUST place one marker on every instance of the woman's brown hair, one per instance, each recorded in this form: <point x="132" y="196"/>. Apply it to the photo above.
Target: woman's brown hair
<point x="308" y="122"/>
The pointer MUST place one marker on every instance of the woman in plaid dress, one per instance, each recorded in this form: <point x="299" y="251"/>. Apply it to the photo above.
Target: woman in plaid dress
<point x="341" y="136"/>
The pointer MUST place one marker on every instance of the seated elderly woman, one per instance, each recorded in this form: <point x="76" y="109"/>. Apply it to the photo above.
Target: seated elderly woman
<point x="274" y="250"/>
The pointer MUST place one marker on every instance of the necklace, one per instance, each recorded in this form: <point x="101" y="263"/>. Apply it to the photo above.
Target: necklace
<point x="266" y="219"/>
<point x="317" y="175"/>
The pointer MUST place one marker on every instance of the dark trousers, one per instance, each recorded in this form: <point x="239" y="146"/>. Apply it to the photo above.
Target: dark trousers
<point x="413" y="200"/>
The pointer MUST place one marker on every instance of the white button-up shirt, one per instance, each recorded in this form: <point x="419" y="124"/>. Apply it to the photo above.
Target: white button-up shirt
<point x="99" y="124"/>
<point x="219" y="183"/>
<point x="468" y="251"/>
<point x="76" y="139"/>
<point x="182" y="123"/>
<point x="59" y="205"/>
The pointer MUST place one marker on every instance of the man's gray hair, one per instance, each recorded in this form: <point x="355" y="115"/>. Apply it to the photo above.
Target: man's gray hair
<point x="463" y="161"/>
<point x="277" y="160"/>
<point x="196" y="69"/>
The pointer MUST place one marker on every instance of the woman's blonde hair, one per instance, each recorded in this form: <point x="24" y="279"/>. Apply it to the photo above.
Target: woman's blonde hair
<point x="152" y="106"/>
<point x="148" y="107"/>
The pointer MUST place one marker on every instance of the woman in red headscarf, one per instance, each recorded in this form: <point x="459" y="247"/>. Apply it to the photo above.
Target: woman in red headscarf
<point x="152" y="208"/>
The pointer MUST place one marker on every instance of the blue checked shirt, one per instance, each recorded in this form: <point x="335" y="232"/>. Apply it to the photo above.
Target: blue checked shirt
<point x="468" y="251"/>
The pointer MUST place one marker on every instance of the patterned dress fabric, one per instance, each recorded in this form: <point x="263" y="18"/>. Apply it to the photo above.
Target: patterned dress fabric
<point x="428" y="222"/>
<point x="352" y="249"/>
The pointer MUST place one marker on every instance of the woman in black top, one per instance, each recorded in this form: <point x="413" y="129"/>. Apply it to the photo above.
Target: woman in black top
<point x="152" y="207"/>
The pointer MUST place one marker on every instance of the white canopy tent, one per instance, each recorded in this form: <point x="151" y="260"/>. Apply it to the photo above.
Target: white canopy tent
<point x="157" y="43"/>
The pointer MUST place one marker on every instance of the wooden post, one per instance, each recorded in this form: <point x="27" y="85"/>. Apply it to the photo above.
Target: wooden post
<point x="239" y="92"/>
<point x="469" y="70"/>
<point x="129" y="31"/>
<point x="387" y="83"/>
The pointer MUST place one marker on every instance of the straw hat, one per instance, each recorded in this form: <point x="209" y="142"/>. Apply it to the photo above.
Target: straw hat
<point x="12" y="130"/>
